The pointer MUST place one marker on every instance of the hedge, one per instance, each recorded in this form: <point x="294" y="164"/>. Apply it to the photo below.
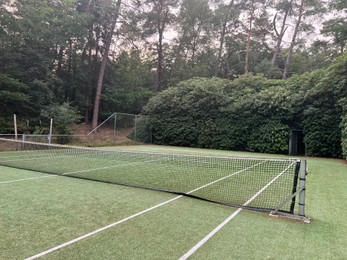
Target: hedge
<point x="252" y="113"/>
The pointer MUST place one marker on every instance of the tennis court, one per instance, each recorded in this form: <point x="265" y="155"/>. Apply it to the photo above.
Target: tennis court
<point x="55" y="217"/>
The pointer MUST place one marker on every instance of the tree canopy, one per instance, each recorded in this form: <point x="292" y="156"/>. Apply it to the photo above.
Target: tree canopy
<point x="103" y="56"/>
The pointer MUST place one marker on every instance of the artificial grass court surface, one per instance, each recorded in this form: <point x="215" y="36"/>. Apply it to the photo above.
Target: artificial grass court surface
<point x="38" y="214"/>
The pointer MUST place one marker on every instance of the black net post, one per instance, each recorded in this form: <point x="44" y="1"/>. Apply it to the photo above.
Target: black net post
<point x="295" y="184"/>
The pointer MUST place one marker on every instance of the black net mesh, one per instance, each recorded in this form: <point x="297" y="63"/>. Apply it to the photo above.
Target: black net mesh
<point x="254" y="183"/>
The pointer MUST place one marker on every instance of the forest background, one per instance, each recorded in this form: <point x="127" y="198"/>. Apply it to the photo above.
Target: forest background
<point x="86" y="59"/>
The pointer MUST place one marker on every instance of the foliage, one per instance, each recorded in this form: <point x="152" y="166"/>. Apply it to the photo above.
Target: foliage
<point x="344" y="130"/>
<point x="270" y="137"/>
<point x="141" y="132"/>
<point x="338" y="75"/>
<point x="254" y="113"/>
<point x="63" y="117"/>
<point x="128" y="86"/>
<point x="54" y="49"/>
<point x="50" y="52"/>
<point x="177" y="114"/>
<point x="14" y="99"/>
<point x="337" y="29"/>
<point x="215" y="113"/>
<point x="317" y="97"/>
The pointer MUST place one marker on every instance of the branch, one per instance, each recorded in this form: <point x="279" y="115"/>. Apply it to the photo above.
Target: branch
<point x="274" y="25"/>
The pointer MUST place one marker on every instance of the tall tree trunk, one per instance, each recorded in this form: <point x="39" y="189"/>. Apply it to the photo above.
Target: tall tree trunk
<point x="292" y="44"/>
<point x="223" y="33"/>
<point x="158" y="78"/>
<point x="103" y="67"/>
<point x="161" y="23"/>
<point x="248" y="44"/>
<point x="68" y="84"/>
<point x="88" y="86"/>
<point x="280" y="34"/>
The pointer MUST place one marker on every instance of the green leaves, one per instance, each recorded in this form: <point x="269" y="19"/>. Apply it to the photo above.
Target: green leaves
<point x="14" y="97"/>
<point x="256" y="114"/>
<point x="63" y="116"/>
<point x="213" y="113"/>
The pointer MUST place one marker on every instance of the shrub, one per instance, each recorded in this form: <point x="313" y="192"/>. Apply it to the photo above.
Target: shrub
<point x="254" y="113"/>
<point x="215" y="113"/>
<point x="63" y="118"/>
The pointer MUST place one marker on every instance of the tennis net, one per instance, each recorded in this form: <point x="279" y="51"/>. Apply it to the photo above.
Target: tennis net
<point x="222" y="179"/>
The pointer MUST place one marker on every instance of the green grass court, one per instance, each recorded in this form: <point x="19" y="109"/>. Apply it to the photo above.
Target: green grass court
<point x="39" y="212"/>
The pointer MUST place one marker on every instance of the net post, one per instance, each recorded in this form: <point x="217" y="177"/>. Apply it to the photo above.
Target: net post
<point x="302" y="186"/>
<point x="295" y="184"/>
<point x="299" y="178"/>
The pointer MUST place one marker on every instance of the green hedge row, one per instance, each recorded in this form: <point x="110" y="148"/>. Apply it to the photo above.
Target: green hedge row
<point x="253" y="113"/>
<point x="213" y="113"/>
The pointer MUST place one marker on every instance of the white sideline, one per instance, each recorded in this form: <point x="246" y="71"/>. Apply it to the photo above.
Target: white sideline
<point x="130" y="217"/>
<point x="221" y="225"/>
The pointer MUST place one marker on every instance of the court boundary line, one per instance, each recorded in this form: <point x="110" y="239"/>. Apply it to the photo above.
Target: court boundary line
<point x="43" y="253"/>
<point x="227" y="220"/>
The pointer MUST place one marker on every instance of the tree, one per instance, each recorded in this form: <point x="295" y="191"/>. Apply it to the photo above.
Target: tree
<point x="283" y="9"/>
<point x="292" y="43"/>
<point x="14" y="97"/>
<point x="193" y="54"/>
<point x="226" y="12"/>
<point x="128" y="84"/>
<point x="108" y="43"/>
<point x="157" y="17"/>
<point x="303" y="9"/>
<point x="337" y="29"/>
<point x="256" y="25"/>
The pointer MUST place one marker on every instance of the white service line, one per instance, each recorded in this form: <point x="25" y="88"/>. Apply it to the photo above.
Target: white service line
<point x="28" y="179"/>
<point x="68" y="173"/>
<point x="99" y="230"/>
<point x="227" y="220"/>
<point x="128" y="218"/>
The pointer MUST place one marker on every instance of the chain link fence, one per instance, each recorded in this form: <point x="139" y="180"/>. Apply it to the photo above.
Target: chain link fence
<point x="117" y="129"/>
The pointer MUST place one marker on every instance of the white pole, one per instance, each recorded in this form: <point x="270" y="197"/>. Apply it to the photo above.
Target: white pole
<point x="15" y="126"/>
<point x="135" y="128"/>
<point x="50" y="131"/>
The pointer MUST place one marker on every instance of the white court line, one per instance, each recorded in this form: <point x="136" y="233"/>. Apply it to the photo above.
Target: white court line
<point x="221" y="225"/>
<point x="28" y="179"/>
<point x="68" y="173"/>
<point x="99" y="230"/>
<point x="128" y="218"/>
<point x="32" y="157"/>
